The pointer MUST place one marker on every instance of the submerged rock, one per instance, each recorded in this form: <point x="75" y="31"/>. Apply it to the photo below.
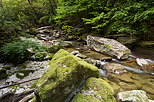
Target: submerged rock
<point x="108" y="46"/>
<point x="133" y="96"/>
<point x="114" y="68"/>
<point x="141" y="62"/>
<point x="63" y="77"/>
<point x="95" y="90"/>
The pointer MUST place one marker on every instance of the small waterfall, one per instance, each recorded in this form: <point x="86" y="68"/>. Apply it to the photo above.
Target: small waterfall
<point x="150" y="61"/>
<point x="115" y="60"/>
<point x="133" y="56"/>
<point x="137" y="70"/>
<point x="133" y="70"/>
<point x="102" y="73"/>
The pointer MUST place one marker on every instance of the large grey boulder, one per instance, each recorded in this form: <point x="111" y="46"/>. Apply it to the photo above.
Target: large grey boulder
<point x="108" y="46"/>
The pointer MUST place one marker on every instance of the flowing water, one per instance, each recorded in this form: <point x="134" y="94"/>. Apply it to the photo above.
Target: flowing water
<point x="135" y="78"/>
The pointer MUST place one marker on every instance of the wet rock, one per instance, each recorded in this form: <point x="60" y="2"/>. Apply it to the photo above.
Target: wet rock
<point x="78" y="54"/>
<point x="141" y="62"/>
<point x="54" y="48"/>
<point x="114" y="68"/>
<point x="96" y="55"/>
<point x="66" y="43"/>
<point x="62" y="43"/>
<point x="75" y="52"/>
<point x="39" y="56"/>
<point x="145" y="65"/>
<point x="117" y="88"/>
<point x="133" y="96"/>
<point x="47" y="33"/>
<point x="97" y="63"/>
<point x="45" y="29"/>
<point x="108" y="46"/>
<point x="41" y="42"/>
<point x="95" y="90"/>
<point x="148" y="89"/>
<point x="106" y="58"/>
<point x="64" y="75"/>
<point x="127" y="86"/>
<point x="124" y="77"/>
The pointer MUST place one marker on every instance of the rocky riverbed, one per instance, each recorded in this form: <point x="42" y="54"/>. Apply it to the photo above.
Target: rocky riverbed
<point x="134" y="73"/>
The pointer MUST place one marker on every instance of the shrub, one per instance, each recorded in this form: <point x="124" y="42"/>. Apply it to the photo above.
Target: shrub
<point x="18" y="51"/>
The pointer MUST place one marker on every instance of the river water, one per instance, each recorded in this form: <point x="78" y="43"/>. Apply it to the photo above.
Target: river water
<point x="135" y="78"/>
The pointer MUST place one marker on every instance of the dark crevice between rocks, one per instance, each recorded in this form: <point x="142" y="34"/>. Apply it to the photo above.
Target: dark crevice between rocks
<point x="77" y="89"/>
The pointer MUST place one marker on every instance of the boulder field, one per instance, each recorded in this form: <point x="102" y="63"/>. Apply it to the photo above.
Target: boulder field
<point x="67" y="73"/>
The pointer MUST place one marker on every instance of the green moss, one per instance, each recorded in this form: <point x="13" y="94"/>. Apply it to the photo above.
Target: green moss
<point x="64" y="75"/>
<point x="39" y="56"/>
<point x="23" y="73"/>
<point x="85" y="98"/>
<point x="54" y="48"/>
<point x="95" y="89"/>
<point x="108" y="46"/>
<point x="49" y="57"/>
<point x="3" y="72"/>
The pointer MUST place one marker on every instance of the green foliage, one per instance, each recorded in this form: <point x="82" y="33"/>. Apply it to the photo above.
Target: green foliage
<point x="107" y="16"/>
<point x="18" y="51"/>
<point x="16" y="15"/>
<point x="133" y="18"/>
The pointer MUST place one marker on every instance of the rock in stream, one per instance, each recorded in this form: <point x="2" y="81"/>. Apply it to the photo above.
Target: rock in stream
<point x="108" y="46"/>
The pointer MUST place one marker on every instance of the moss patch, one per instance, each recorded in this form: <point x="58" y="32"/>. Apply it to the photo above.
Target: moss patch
<point x="95" y="90"/>
<point x="54" y="48"/>
<point x="3" y="72"/>
<point x="64" y="75"/>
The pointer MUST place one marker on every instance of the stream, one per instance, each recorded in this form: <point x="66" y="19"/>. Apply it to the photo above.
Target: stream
<point x="128" y="75"/>
<point x="134" y="79"/>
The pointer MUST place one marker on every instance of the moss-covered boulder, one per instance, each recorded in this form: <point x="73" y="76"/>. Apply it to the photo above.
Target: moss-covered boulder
<point x="95" y="90"/>
<point x="54" y="48"/>
<point x="64" y="75"/>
